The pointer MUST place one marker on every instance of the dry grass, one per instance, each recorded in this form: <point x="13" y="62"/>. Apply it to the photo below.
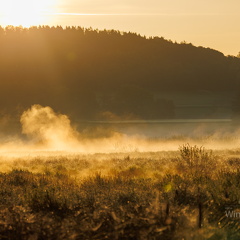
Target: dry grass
<point x="165" y="195"/>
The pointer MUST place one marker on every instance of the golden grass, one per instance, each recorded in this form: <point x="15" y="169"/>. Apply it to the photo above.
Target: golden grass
<point x="164" y="195"/>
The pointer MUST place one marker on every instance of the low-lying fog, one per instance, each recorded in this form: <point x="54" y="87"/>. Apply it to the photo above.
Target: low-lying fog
<point x="46" y="130"/>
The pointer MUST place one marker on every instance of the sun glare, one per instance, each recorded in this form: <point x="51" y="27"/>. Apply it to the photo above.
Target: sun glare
<point x="26" y="12"/>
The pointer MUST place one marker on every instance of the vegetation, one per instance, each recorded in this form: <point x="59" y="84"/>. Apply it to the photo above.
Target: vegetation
<point x="87" y="73"/>
<point x="190" y="194"/>
<point x="111" y="75"/>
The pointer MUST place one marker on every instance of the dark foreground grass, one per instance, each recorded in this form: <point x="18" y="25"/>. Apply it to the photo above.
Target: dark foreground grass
<point x="194" y="195"/>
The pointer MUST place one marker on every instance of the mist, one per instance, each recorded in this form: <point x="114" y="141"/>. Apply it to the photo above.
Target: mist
<point x="43" y="129"/>
<point x="48" y="129"/>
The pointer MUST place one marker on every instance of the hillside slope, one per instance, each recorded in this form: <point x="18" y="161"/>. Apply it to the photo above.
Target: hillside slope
<point x="93" y="74"/>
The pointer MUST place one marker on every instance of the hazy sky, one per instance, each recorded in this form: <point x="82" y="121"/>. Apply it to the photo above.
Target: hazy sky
<point x="212" y="23"/>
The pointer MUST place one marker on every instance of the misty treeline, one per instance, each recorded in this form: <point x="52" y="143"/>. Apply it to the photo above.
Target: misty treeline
<point x="101" y="75"/>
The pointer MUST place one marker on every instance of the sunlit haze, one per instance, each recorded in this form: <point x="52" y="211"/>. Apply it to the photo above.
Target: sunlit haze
<point x="119" y="118"/>
<point x="26" y="12"/>
<point x="204" y="23"/>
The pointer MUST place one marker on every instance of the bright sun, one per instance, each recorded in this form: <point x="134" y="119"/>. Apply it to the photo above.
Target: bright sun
<point x="25" y="12"/>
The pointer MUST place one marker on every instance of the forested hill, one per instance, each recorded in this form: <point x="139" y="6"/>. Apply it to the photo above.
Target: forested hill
<point x="86" y="72"/>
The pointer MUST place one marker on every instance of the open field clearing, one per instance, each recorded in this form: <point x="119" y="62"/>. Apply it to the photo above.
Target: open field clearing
<point x="191" y="193"/>
<point x="110" y="134"/>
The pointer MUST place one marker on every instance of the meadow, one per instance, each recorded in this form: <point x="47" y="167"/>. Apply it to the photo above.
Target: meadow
<point x="192" y="193"/>
<point x="101" y="154"/>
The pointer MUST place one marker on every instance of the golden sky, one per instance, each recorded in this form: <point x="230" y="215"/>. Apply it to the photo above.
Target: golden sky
<point x="208" y="23"/>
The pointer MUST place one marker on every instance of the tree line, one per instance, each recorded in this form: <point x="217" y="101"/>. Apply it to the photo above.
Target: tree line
<point x="92" y="74"/>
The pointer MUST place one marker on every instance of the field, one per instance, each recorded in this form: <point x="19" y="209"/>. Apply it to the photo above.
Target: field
<point x="109" y="134"/>
<point x="192" y="193"/>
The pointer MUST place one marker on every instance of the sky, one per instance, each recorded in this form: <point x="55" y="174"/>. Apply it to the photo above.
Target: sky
<point x="212" y="23"/>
